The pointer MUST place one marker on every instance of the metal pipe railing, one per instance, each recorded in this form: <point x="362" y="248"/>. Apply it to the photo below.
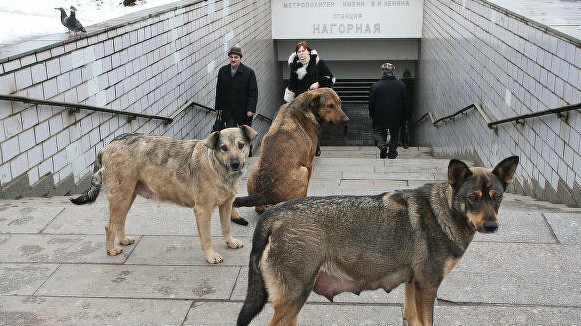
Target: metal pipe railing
<point x="77" y="106"/>
<point x="461" y="111"/>
<point x="263" y="117"/>
<point x="557" y="111"/>
<point x="492" y="124"/>
<point x="189" y="104"/>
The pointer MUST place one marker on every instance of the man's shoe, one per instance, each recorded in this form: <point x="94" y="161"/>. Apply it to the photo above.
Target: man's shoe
<point x="240" y="221"/>
<point x="318" y="153"/>
<point x="383" y="152"/>
<point x="392" y="155"/>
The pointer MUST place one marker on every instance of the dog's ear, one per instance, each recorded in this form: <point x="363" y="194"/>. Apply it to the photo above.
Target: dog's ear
<point x="308" y="99"/>
<point x="212" y="140"/>
<point x="315" y="100"/>
<point x="505" y="170"/>
<point x="457" y="172"/>
<point x="304" y="100"/>
<point x="248" y="132"/>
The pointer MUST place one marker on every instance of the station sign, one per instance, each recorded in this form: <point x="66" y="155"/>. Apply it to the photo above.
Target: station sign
<point x="297" y="19"/>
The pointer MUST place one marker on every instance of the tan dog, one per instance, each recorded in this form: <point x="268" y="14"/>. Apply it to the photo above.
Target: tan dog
<point x="202" y="174"/>
<point x="285" y="166"/>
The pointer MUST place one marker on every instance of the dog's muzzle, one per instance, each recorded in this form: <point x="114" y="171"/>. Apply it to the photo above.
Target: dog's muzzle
<point x="489" y="227"/>
<point x="235" y="165"/>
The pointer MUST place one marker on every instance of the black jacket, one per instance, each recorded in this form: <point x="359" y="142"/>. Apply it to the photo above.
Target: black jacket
<point x="317" y="71"/>
<point x="388" y="105"/>
<point x="236" y="95"/>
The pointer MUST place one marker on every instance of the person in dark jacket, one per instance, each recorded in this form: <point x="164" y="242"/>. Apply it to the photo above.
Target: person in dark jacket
<point x="388" y="109"/>
<point x="307" y="72"/>
<point x="236" y="96"/>
<point x="236" y="91"/>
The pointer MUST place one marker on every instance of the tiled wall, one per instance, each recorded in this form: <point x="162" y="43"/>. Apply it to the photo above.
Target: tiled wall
<point x="150" y="62"/>
<point x="474" y="52"/>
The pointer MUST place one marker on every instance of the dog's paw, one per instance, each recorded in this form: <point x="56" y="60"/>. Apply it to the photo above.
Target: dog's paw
<point x="213" y="257"/>
<point x="234" y="244"/>
<point x="127" y="241"/>
<point x="115" y="251"/>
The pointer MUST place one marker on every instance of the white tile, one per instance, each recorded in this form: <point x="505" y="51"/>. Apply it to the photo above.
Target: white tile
<point x="19" y="165"/>
<point x="50" y="88"/>
<point x="63" y="83"/>
<point x="23" y="78"/>
<point x="49" y="147"/>
<point x="7" y="83"/>
<point x="35" y="156"/>
<point x="53" y="68"/>
<point x="9" y="148"/>
<point x="59" y="160"/>
<point x="29" y="117"/>
<point x="38" y="73"/>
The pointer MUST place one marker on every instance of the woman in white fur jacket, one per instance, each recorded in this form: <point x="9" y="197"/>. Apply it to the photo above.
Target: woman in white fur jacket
<point x="307" y="72"/>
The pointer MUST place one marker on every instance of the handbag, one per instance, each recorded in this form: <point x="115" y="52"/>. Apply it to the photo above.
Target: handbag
<point x="219" y="124"/>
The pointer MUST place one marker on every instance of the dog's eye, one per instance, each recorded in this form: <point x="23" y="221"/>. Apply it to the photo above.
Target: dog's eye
<point x="224" y="148"/>
<point x="240" y="145"/>
<point x="472" y="197"/>
<point x="497" y="197"/>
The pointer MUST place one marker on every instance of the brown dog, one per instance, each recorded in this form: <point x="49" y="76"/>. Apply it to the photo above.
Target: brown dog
<point x="285" y="166"/>
<point x="337" y="244"/>
<point x="202" y="174"/>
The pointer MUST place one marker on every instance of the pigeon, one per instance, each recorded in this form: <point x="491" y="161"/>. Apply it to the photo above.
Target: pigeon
<point x="71" y="22"/>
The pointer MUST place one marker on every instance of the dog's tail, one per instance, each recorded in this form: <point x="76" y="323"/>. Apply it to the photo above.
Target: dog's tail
<point x="251" y="201"/>
<point x="256" y="294"/>
<point x="90" y="195"/>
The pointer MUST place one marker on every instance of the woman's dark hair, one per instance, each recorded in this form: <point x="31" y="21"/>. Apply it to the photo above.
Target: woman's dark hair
<point x="304" y="44"/>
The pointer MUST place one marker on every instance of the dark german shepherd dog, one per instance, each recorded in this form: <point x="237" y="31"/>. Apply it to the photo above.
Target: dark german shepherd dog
<point x="337" y="244"/>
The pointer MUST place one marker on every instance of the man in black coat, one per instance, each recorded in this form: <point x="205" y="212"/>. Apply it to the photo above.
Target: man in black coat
<point x="236" y="96"/>
<point x="236" y="91"/>
<point x="388" y="109"/>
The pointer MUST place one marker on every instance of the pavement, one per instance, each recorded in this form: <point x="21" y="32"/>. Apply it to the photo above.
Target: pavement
<point x="54" y="269"/>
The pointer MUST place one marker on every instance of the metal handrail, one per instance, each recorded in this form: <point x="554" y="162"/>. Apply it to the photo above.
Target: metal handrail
<point x="557" y="111"/>
<point x="461" y="111"/>
<point x="492" y="124"/>
<point x="263" y="117"/>
<point x="131" y="115"/>
<point x="189" y="104"/>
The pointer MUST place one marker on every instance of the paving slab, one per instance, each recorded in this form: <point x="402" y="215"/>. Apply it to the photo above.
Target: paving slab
<point x="23" y="279"/>
<point x="58" y="248"/>
<point x="141" y="281"/>
<point x="567" y="227"/>
<point x="516" y="273"/>
<point x="38" y="310"/>
<point x="173" y="250"/>
<point x="225" y="314"/>
<point x="17" y="218"/>
<point x="506" y="315"/>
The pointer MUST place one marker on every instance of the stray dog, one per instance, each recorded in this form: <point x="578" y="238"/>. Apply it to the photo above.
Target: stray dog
<point x="202" y="174"/>
<point x="285" y="166"/>
<point x="337" y="244"/>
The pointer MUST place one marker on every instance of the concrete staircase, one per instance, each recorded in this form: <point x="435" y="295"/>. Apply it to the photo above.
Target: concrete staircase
<point x="354" y="90"/>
